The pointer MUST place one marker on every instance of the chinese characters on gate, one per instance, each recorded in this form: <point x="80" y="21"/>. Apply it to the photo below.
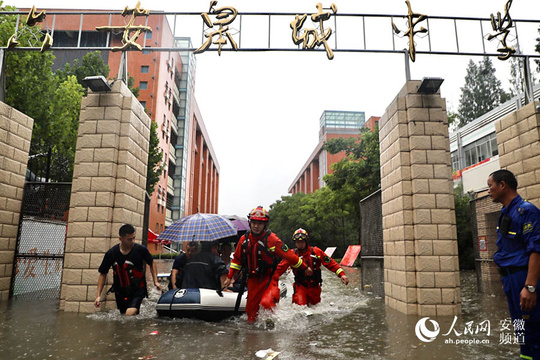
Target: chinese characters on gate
<point x="502" y="26"/>
<point x="219" y="32"/>
<point x="412" y="20"/>
<point x="128" y="39"/>
<point x="224" y="15"/>
<point x="316" y="38"/>
<point x="32" y="19"/>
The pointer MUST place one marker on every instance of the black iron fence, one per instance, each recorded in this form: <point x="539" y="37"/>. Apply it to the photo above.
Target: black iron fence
<point x="41" y="238"/>
<point x="372" y="253"/>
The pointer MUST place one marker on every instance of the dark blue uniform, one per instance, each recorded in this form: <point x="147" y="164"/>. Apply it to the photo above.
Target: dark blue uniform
<point x="518" y="234"/>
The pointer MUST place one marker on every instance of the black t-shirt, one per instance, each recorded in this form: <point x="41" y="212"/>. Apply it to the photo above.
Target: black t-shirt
<point x="137" y="255"/>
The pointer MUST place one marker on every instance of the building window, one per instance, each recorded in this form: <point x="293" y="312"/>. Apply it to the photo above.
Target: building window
<point x="143" y="85"/>
<point x="157" y="228"/>
<point x="481" y="150"/>
<point x="455" y="160"/>
<point x="148" y="34"/>
<point x="143" y="103"/>
<point x="145" y="69"/>
<point x="146" y="51"/>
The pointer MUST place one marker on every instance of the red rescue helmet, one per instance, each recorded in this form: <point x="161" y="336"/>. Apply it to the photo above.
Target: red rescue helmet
<point x="300" y="234"/>
<point x="258" y="214"/>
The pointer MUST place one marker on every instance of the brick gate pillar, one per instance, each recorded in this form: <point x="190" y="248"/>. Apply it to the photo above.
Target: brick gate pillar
<point x="518" y="139"/>
<point x="15" y="137"/>
<point x="109" y="181"/>
<point x="421" y="267"/>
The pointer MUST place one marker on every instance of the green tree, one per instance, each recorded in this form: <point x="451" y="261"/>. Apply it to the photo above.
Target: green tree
<point x="91" y="64"/>
<point x="66" y="109"/>
<point x="322" y="213"/>
<point x="481" y="93"/>
<point x="464" y="229"/>
<point x="131" y="85"/>
<point x="155" y="156"/>
<point x="358" y="174"/>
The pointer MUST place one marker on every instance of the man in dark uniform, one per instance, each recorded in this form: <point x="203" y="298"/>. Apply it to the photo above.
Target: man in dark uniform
<point x="518" y="257"/>
<point x="179" y="263"/>
<point x="204" y="270"/>
<point x="129" y="284"/>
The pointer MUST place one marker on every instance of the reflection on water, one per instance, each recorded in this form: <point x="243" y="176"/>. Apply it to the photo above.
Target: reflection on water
<point x="348" y="324"/>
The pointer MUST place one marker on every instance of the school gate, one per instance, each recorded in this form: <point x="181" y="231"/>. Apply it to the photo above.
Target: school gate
<point x="419" y="235"/>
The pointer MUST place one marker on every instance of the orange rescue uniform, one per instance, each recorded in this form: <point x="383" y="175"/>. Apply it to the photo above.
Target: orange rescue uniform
<point x="307" y="289"/>
<point x="261" y="254"/>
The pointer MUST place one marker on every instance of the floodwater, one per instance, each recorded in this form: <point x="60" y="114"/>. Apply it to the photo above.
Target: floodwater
<point x="348" y="324"/>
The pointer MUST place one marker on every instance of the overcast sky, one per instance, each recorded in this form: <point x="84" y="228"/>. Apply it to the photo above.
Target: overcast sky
<point x="262" y="109"/>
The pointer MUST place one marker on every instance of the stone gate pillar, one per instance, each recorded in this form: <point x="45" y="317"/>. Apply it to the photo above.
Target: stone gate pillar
<point x="421" y="268"/>
<point x="109" y="181"/>
<point x="15" y="137"/>
<point x="518" y="139"/>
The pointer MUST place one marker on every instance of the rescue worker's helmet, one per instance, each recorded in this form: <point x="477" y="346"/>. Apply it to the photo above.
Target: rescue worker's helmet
<point x="258" y="214"/>
<point x="300" y="234"/>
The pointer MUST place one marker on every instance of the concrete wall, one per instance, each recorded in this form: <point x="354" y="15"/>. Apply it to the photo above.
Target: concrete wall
<point x="419" y="231"/>
<point x="15" y="136"/>
<point x="108" y="187"/>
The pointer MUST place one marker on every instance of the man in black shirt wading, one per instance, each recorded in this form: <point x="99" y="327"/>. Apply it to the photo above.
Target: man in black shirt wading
<point x="127" y="260"/>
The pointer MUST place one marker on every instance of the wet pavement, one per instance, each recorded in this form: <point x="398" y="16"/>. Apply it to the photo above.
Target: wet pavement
<point x="348" y="324"/>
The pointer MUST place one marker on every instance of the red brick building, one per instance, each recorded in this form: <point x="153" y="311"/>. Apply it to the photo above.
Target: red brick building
<point x="333" y="124"/>
<point x="190" y="179"/>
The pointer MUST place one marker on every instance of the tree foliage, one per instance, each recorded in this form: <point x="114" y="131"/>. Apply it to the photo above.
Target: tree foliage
<point x="481" y="93"/>
<point x="464" y="229"/>
<point x="155" y="165"/>
<point x="91" y="64"/>
<point x="358" y="174"/>
<point x="322" y="213"/>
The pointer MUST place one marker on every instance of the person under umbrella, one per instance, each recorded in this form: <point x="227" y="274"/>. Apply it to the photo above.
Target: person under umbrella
<point x="204" y="270"/>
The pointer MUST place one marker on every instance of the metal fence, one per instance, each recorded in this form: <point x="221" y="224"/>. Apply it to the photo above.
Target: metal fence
<point x="39" y="256"/>
<point x="372" y="255"/>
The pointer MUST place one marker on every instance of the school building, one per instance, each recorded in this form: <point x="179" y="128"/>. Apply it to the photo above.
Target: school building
<point x="333" y="124"/>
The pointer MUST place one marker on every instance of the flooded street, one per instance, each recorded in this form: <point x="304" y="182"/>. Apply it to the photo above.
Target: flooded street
<point x="348" y="324"/>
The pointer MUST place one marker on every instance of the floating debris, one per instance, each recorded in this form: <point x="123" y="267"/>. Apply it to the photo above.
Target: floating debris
<point x="267" y="354"/>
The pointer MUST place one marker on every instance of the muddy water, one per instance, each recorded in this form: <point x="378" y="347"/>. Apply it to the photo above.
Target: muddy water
<point x="348" y="324"/>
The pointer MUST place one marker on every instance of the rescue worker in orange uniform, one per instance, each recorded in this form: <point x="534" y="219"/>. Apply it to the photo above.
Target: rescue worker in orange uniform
<point x="260" y="251"/>
<point x="307" y="288"/>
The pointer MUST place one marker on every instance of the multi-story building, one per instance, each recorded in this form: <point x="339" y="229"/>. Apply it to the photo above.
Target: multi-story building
<point x="333" y="124"/>
<point x="474" y="148"/>
<point x="190" y="179"/>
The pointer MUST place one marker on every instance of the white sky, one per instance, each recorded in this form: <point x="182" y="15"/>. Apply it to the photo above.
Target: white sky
<point x="262" y="109"/>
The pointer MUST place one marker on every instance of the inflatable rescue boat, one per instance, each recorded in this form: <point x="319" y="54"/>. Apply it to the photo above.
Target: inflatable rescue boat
<point x="204" y="304"/>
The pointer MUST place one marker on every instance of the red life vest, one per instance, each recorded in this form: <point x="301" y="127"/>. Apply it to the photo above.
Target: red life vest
<point x="257" y="256"/>
<point x="314" y="262"/>
<point x="127" y="277"/>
